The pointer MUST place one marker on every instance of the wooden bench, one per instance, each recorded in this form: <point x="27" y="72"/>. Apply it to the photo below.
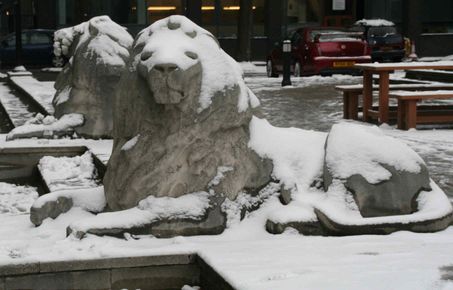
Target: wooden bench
<point x="408" y="116"/>
<point x="351" y="95"/>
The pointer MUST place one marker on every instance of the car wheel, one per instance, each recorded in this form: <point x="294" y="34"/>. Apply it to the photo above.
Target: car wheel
<point x="57" y="61"/>
<point x="270" y="69"/>
<point x="297" y="70"/>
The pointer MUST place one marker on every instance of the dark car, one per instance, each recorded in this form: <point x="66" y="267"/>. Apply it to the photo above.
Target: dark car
<point x="321" y="51"/>
<point x="386" y="44"/>
<point x="37" y="48"/>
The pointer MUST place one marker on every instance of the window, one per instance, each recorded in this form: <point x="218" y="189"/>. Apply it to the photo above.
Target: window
<point x="120" y="11"/>
<point x="303" y="11"/>
<point x="258" y="18"/>
<point x="229" y="16"/>
<point x="158" y="9"/>
<point x="209" y="16"/>
<point x="123" y="11"/>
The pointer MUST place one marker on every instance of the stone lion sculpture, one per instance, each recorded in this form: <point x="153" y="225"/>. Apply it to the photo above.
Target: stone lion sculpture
<point x="182" y="117"/>
<point x="181" y="126"/>
<point x="97" y="51"/>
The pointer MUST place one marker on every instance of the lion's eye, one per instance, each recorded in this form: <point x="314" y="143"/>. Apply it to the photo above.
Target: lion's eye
<point x="191" y="54"/>
<point x="146" y="55"/>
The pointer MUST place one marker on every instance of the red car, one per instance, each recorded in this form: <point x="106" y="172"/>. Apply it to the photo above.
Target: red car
<point x="322" y="51"/>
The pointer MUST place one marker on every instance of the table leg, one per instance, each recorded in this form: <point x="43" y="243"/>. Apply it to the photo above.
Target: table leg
<point x="346" y="105"/>
<point x="367" y="94"/>
<point x="354" y="106"/>
<point x="384" y="97"/>
<point x="411" y="114"/>
<point x="401" y="114"/>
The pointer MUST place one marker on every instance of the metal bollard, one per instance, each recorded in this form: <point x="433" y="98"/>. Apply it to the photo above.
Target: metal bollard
<point x="286" y="63"/>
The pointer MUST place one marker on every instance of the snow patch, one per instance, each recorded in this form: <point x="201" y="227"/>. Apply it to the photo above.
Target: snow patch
<point x="46" y="126"/>
<point x="431" y="205"/>
<point x="109" y="45"/>
<point x="297" y="154"/>
<point x="20" y="68"/>
<point x="189" y="206"/>
<point x="221" y="170"/>
<point x="374" y="22"/>
<point x="187" y="287"/>
<point x="359" y="149"/>
<point x="244" y="201"/>
<point x="63" y="96"/>
<point x="90" y="199"/>
<point x="62" y="173"/>
<point x="16" y="199"/>
<point x="130" y="144"/>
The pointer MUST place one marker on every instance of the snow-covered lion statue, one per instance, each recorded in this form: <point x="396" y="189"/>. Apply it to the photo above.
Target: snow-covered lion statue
<point x="97" y="52"/>
<point x="181" y="126"/>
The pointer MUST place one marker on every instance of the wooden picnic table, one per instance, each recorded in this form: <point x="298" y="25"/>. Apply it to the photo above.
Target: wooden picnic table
<point x="383" y="70"/>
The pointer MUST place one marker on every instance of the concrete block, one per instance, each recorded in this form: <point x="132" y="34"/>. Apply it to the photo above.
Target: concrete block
<point x="86" y="280"/>
<point x="155" y="277"/>
<point x="210" y="279"/>
<point x="19" y="269"/>
<point x="18" y="74"/>
<point x="145" y="261"/>
<point x="111" y="263"/>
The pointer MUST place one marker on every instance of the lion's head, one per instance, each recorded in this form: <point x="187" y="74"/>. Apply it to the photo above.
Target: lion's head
<point x="182" y="63"/>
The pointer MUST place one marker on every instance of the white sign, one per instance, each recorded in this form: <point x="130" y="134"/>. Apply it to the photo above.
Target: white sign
<point x="338" y="5"/>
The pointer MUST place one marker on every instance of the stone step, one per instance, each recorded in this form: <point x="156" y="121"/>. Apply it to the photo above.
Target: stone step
<point x="16" y="108"/>
<point x="41" y="93"/>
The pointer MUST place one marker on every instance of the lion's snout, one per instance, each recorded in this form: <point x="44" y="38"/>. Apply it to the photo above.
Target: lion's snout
<point x="166" y="82"/>
<point x="170" y="78"/>
<point x="166" y="68"/>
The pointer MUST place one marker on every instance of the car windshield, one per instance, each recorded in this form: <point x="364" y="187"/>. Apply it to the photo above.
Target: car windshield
<point x="381" y="31"/>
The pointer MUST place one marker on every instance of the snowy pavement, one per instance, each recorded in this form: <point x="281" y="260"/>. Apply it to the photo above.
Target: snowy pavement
<point x="245" y="254"/>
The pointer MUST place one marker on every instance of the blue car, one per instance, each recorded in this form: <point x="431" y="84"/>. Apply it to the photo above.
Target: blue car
<point x="37" y="49"/>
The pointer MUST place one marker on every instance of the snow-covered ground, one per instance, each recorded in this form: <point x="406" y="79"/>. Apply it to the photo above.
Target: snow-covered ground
<point x="245" y="254"/>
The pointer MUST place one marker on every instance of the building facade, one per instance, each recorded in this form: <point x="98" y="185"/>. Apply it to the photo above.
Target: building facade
<point x="252" y="32"/>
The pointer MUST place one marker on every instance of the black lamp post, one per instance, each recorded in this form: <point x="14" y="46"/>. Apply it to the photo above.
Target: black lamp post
<point x="286" y="63"/>
<point x="18" y="28"/>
